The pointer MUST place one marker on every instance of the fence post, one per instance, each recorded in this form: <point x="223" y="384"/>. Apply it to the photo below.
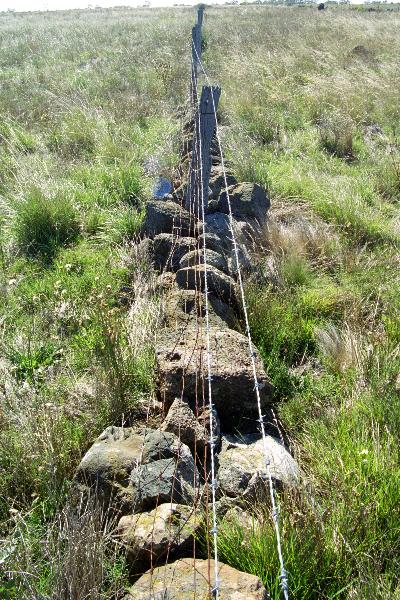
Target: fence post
<point x="204" y="129"/>
<point x="200" y="13"/>
<point x="196" y="52"/>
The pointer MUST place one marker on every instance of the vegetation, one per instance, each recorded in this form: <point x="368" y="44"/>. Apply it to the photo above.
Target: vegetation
<point x="310" y="110"/>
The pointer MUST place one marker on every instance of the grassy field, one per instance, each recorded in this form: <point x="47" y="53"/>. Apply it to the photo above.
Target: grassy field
<point x="309" y="109"/>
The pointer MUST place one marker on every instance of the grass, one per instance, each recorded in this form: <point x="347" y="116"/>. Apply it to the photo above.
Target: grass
<point x="310" y="109"/>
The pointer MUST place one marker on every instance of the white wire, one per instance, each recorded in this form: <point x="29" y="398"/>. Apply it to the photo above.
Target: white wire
<point x="214" y="529"/>
<point x="275" y="508"/>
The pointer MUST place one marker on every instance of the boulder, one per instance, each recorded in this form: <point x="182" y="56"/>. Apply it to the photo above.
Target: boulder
<point x="179" y="360"/>
<point x="149" y="537"/>
<point x="189" y="578"/>
<point x="194" y="432"/>
<point x="107" y="465"/>
<point x="167" y="217"/>
<point x="165" y="480"/>
<point x="184" y="307"/>
<point x="193" y="278"/>
<point x="196" y="257"/>
<point x="168" y="249"/>
<point x="247" y="200"/>
<point x="242" y="469"/>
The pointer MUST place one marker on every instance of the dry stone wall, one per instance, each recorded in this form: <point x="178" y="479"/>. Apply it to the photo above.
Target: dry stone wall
<point x="155" y="479"/>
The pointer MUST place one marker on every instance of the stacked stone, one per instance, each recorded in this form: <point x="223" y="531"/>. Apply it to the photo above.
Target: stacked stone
<point x="153" y="479"/>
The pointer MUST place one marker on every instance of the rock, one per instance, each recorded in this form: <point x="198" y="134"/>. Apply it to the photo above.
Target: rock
<point x="179" y="360"/>
<point x="242" y="470"/>
<point x="212" y="242"/>
<point x="193" y="432"/>
<point x="168" y="249"/>
<point x="196" y="257"/>
<point x="221" y="285"/>
<point x="165" y="480"/>
<point x="162" y="444"/>
<point x="167" y="217"/>
<point x="217" y="224"/>
<point x="183" y="307"/>
<point x="167" y="530"/>
<point x="247" y="200"/>
<point x="166" y="281"/>
<point x="107" y="465"/>
<point x="245" y="263"/>
<point x="238" y="517"/>
<point x="217" y="181"/>
<point x="188" y="578"/>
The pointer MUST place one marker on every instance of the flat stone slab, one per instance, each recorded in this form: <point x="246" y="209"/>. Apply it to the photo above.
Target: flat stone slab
<point x="189" y="579"/>
<point x="180" y="359"/>
<point x="149" y="536"/>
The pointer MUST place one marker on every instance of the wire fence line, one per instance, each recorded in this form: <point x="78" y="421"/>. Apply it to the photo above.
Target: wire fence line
<point x="272" y="492"/>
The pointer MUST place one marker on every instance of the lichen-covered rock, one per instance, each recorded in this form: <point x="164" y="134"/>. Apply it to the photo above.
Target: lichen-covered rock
<point x="179" y="362"/>
<point x="247" y="200"/>
<point x="163" y="444"/>
<point x="196" y="257"/>
<point x="107" y="465"/>
<point x="188" y="579"/>
<point x="184" y="307"/>
<point x="150" y="536"/>
<point x="242" y="467"/>
<point x="168" y="249"/>
<point x="167" y="217"/>
<point x="221" y="285"/>
<point x="165" y="480"/>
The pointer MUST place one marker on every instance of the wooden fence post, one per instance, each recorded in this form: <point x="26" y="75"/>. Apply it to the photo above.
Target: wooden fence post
<point x="204" y="130"/>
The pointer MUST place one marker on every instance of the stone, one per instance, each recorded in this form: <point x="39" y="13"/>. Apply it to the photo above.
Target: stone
<point x="149" y="537"/>
<point x="245" y="263"/>
<point x="242" y="469"/>
<point x="168" y="249"/>
<point x="217" y="181"/>
<point x="166" y="281"/>
<point x="180" y="359"/>
<point x="193" y="278"/>
<point x="194" y="432"/>
<point x="196" y="257"/>
<point x="164" y="216"/>
<point x="183" y="307"/>
<point x="217" y="224"/>
<point x="212" y="241"/>
<point x="165" y="480"/>
<point x="163" y="444"/>
<point x="238" y="517"/>
<point x="247" y="200"/>
<point x="188" y="578"/>
<point x="107" y="465"/>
